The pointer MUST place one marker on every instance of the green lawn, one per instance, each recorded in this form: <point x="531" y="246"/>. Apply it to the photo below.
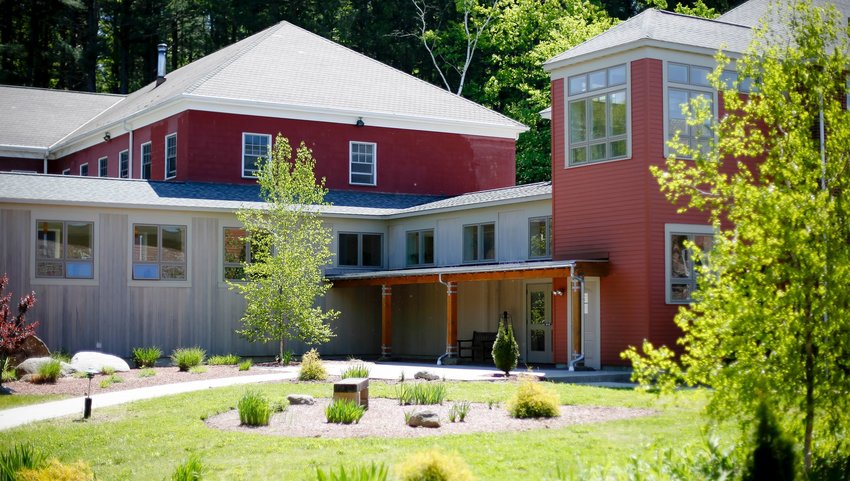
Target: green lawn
<point x="13" y="401"/>
<point x="146" y="440"/>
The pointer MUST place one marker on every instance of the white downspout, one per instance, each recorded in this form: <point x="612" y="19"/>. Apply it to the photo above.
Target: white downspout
<point x="46" y="153"/>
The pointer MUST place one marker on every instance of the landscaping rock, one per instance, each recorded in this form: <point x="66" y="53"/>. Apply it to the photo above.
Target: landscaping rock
<point x="31" y="365"/>
<point x="428" y="376"/>
<point x="424" y="419"/>
<point x="96" y="361"/>
<point x="32" y="346"/>
<point x="297" y="399"/>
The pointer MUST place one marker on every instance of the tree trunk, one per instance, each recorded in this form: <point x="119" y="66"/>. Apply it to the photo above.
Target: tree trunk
<point x="810" y="402"/>
<point x="280" y="354"/>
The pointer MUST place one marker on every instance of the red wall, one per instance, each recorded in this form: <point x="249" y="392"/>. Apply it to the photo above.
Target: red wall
<point x="16" y="163"/>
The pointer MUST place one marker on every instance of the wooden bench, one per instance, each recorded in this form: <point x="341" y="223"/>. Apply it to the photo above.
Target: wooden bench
<point x="354" y="389"/>
<point x="479" y="348"/>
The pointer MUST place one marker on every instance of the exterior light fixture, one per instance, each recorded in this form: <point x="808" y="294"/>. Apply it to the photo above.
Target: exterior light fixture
<point x="558" y="292"/>
<point x="87" y="401"/>
<point x="360" y="122"/>
<point x="107" y="137"/>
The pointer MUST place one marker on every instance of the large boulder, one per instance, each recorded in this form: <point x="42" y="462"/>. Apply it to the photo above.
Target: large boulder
<point x="31" y="366"/>
<point x="299" y="399"/>
<point x="31" y="346"/>
<point x="428" y="376"/>
<point x="96" y="361"/>
<point x="424" y="419"/>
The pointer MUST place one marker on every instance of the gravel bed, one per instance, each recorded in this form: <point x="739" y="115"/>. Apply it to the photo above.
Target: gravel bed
<point x="385" y="418"/>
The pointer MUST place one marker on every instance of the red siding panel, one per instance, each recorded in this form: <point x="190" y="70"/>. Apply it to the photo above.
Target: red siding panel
<point x="16" y="163"/>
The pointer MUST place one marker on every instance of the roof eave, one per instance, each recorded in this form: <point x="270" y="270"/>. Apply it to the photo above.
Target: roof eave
<point x="479" y="205"/>
<point x="23" y="151"/>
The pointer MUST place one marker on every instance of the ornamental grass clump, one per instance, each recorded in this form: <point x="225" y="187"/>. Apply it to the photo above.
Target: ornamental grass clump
<point x="223" y="360"/>
<point x="192" y="470"/>
<point x="344" y="411"/>
<point x="254" y="409"/>
<point x="245" y="365"/>
<point x="434" y="465"/>
<point x="48" y="372"/>
<point x="311" y="367"/>
<point x="356" y="370"/>
<point x="533" y="400"/>
<point x="186" y="358"/>
<point x="459" y="411"/>
<point x="374" y="472"/>
<point x="146" y="356"/>
<point x="18" y="457"/>
<point x="420" y="393"/>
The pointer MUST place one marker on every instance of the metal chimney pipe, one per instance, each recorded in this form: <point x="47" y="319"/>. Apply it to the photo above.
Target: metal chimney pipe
<point x="160" y="64"/>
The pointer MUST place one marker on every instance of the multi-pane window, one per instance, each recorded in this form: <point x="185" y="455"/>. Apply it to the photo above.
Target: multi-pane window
<point x="479" y="242"/>
<point x="682" y="267"/>
<point x="159" y="252"/>
<point x="540" y="237"/>
<point x="359" y="250"/>
<point x="685" y="83"/>
<point x="362" y="163"/>
<point x="420" y="247"/>
<point x="237" y="252"/>
<point x="598" y="124"/>
<point x="730" y="79"/>
<point x="64" y="249"/>
<point x="84" y="169"/>
<point x="102" y="166"/>
<point x="170" y="156"/>
<point x="146" y="161"/>
<point x="124" y="164"/>
<point x="254" y="148"/>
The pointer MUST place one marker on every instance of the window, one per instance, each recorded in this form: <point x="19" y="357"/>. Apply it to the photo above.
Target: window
<point x="254" y="148"/>
<point x="479" y="242"/>
<point x="360" y="250"/>
<point x="66" y="172"/>
<point x="170" y="156"/>
<point x="146" y="161"/>
<point x="420" y="247"/>
<point x="159" y="252"/>
<point x="362" y="163"/>
<point x="730" y="80"/>
<point x="685" y="83"/>
<point x="237" y="251"/>
<point x="682" y="268"/>
<point x="84" y="169"/>
<point x="64" y="249"/>
<point x="102" y="166"/>
<point x="598" y="124"/>
<point x="124" y="164"/>
<point x="540" y="237"/>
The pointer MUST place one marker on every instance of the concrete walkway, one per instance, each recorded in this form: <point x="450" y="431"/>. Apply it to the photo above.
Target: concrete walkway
<point x="14" y="417"/>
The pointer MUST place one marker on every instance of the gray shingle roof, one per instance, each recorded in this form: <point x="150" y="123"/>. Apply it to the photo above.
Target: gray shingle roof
<point x="749" y="13"/>
<point x="540" y="190"/>
<point x="38" y="118"/>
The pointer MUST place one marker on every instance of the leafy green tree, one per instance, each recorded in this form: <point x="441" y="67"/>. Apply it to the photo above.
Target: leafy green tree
<point x="290" y="246"/>
<point x="772" y="317"/>
<point x="505" y="349"/>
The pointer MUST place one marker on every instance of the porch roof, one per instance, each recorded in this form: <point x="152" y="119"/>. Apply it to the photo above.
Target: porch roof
<point x="479" y="272"/>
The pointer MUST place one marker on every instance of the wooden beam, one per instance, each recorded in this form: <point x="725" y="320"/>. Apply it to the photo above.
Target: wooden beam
<point x="386" y="281"/>
<point x="506" y="275"/>
<point x="451" y="319"/>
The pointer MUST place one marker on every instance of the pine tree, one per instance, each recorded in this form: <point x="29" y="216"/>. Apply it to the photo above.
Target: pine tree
<point x="505" y="349"/>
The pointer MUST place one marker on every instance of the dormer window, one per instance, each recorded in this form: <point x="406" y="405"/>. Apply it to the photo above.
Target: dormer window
<point x="597" y="116"/>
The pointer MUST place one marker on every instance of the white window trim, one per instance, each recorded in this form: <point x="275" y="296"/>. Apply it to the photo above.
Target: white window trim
<point x="63" y="215"/>
<point x="696" y="88"/>
<point x="669" y="230"/>
<point x="99" y="166"/>
<point x="420" y="246"/>
<point x="159" y="219"/>
<point x="86" y="165"/>
<point x="374" y="162"/>
<point x="481" y="243"/>
<point x="222" y="280"/>
<point x="360" y="250"/>
<point x="149" y="144"/>
<point x="129" y="167"/>
<point x="268" y="136"/>
<point x="165" y="156"/>
<point x="548" y="219"/>
<point x="66" y="172"/>
<point x="586" y="95"/>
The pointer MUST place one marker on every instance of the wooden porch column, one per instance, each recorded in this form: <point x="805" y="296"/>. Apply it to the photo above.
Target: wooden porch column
<point x="451" y="319"/>
<point x="386" y="321"/>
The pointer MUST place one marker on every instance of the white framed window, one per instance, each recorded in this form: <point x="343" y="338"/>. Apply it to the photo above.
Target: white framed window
<point x="680" y="266"/>
<point x="66" y="172"/>
<point x="124" y="164"/>
<point x="597" y="116"/>
<point x="64" y="249"/>
<point x="102" y="166"/>
<point x="254" y="148"/>
<point x="145" y="166"/>
<point x="685" y="83"/>
<point x="358" y="249"/>
<point x="159" y="252"/>
<point x="170" y="156"/>
<point x="84" y="169"/>
<point x="540" y="237"/>
<point x="419" y="247"/>
<point x="479" y="242"/>
<point x="237" y="252"/>
<point x="363" y="161"/>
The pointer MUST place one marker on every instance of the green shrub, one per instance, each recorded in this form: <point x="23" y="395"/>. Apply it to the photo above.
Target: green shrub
<point x="245" y="365"/>
<point x="357" y="370"/>
<point x="420" y="393"/>
<point x="146" y="356"/>
<point x="48" y="372"/>
<point x="107" y="370"/>
<point x="311" y="367"/>
<point x="532" y="400"/>
<point x="147" y="372"/>
<point x="56" y="471"/>
<point x="18" y="457"/>
<point x="112" y="379"/>
<point x="287" y="358"/>
<point x="459" y="411"/>
<point x="188" y="357"/>
<point x="505" y="349"/>
<point x="375" y="472"/>
<point x="198" y="369"/>
<point x="192" y="470"/>
<point x="773" y="455"/>
<point x="254" y="409"/>
<point x="61" y="356"/>
<point x="434" y="465"/>
<point x="7" y="373"/>
<point x="344" y="411"/>
<point x="225" y="360"/>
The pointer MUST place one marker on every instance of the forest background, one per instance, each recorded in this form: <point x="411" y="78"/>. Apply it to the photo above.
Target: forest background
<point x="489" y="51"/>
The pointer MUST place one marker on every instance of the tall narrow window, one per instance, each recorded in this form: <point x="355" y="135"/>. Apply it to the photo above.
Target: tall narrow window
<point x="170" y="156"/>
<point x="420" y="247"/>
<point x="146" y="161"/>
<point x="159" y="252"/>
<point x="237" y="252"/>
<point x="540" y="237"/>
<point x="362" y="163"/>
<point x="84" y="170"/>
<point x="254" y="148"/>
<point x="686" y="83"/>
<point x="479" y="242"/>
<point x="360" y="250"/>
<point x="124" y="164"/>
<point x="597" y="116"/>
<point x="64" y="249"/>
<point x="102" y="166"/>
<point x="682" y="267"/>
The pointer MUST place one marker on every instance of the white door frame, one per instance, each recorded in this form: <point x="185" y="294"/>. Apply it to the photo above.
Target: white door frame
<point x="546" y="356"/>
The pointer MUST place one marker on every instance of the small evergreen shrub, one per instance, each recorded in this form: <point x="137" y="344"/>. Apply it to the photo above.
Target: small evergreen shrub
<point x="188" y="357"/>
<point x="18" y="457"/>
<point x="147" y="372"/>
<point x="343" y="411"/>
<point x="532" y="400"/>
<point x="421" y="393"/>
<point x="192" y="470"/>
<point x="56" y="471"/>
<point x="225" y="360"/>
<point x="356" y="370"/>
<point x="311" y="367"/>
<point x="245" y="365"/>
<point x="773" y="454"/>
<point x="146" y="356"/>
<point x="434" y="465"/>
<point x="375" y="472"/>
<point x="459" y="411"/>
<point x="254" y="409"/>
<point x="505" y="349"/>
<point x="48" y="372"/>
